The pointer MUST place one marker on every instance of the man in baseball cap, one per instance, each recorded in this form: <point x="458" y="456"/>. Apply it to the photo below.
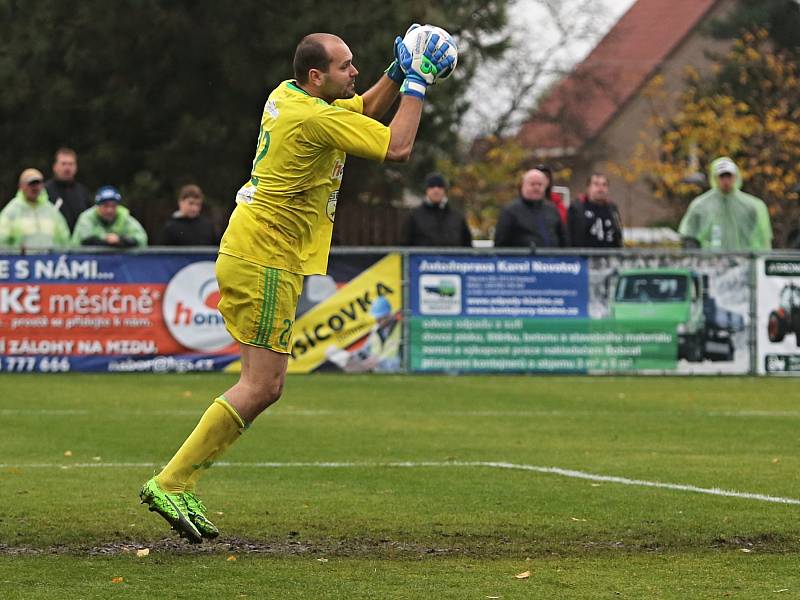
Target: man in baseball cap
<point x="725" y="217"/>
<point x="108" y="223"/>
<point x="29" y="220"/>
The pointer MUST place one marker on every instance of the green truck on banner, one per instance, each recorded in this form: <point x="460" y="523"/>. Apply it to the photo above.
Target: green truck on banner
<point x="579" y="314"/>
<point x="679" y="296"/>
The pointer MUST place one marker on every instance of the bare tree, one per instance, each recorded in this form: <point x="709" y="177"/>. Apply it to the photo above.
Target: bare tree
<point x="542" y="49"/>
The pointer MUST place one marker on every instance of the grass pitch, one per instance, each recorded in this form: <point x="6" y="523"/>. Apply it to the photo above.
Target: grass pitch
<point x="392" y="487"/>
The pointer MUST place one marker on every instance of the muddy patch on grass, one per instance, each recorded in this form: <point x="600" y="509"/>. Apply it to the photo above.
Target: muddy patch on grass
<point x="462" y="546"/>
<point x="340" y="547"/>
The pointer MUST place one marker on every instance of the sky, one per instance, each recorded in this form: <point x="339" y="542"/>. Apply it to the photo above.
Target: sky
<point x="530" y="10"/>
<point x="531" y="20"/>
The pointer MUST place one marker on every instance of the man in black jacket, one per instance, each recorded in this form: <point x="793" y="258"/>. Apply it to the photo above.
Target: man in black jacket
<point x="186" y="226"/>
<point x="593" y="218"/>
<point x="531" y="220"/>
<point x="69" y="196"/>
<point x="435" y="222"/>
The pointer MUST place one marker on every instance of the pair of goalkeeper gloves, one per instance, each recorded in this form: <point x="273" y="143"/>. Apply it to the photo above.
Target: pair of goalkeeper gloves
<point x="415" y="71"/>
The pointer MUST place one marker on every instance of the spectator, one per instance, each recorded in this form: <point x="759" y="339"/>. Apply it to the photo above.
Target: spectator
<point x="69" y="196"/>
<point x="726" y="218"/>
<point x="554" y="197"/>
<point x="186" y="226"/>
<point x="531" y="220"/>
<point x="108" y="223"/>
<point x="29" y="220"/>
<point x="435" y="223"/>
<point x="594" y="219"/>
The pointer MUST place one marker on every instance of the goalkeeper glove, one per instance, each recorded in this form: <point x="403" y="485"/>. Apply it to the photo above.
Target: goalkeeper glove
<point x="421" y="69"/>
<point x="394" y="71"/>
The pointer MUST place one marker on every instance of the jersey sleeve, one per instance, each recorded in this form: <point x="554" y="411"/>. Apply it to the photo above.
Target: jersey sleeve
<point x="354" y="104"/>
<point x="349" y="131"/>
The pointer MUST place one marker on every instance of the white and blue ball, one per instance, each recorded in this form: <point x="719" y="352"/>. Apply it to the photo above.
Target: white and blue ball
<point x="416" y="40"/>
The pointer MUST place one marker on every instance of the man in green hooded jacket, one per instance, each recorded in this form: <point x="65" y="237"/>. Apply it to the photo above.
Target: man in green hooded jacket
<point x="726" y="218"/>
<point x="108" y="223"/>
<point x="29" y="221"/>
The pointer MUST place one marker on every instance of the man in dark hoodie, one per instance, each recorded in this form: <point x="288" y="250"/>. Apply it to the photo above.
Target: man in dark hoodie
<point x="531" y="219"/>
<point x="594" y="220"/>
<point x="68" y="195"/>
<point x="186" y="226"/>
<point x="435" y="223"/>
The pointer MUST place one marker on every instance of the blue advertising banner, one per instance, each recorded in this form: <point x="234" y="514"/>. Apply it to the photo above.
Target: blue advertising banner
<point x="499" y="286"/>
<point x="111" y="312"/>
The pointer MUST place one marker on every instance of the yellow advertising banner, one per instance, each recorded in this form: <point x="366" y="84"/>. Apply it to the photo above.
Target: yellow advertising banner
<point x="325" y="332"/>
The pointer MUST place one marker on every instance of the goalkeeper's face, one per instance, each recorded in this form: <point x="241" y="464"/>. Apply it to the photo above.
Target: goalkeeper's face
<point x="339" y="80"/>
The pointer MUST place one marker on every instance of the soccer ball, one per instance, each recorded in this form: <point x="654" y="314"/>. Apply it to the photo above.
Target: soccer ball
<point x="417" y="38"/>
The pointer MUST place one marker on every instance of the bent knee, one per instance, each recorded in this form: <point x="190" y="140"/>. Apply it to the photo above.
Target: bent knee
<point x="268" y="391"/>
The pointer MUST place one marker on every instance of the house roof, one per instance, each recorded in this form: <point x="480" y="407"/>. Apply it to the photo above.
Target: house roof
<point x="583" y="103"/>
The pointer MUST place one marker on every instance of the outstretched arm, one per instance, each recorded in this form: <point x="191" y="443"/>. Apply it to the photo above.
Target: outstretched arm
<point x="380" y="97"/>
<point x="404" y="128"/>
<point x="420" y="71"/>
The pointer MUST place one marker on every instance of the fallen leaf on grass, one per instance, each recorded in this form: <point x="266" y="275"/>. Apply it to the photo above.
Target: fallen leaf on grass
<point x="142" y="552"/>
<point x="231" y="558"/>
<point x="775" y="461"/>
<point x="67" y="453"/>
<point x="524" y="575"/>
<point x="117" y="579"/>
<point x="322" y="560"/>
<point x="579" y="520"/>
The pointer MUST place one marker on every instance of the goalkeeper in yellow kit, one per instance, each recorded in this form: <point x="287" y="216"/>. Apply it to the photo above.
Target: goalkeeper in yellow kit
<point x="281" y="230"/>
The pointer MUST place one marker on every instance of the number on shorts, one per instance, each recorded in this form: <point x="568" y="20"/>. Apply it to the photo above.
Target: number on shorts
<point x="283" y="340"/>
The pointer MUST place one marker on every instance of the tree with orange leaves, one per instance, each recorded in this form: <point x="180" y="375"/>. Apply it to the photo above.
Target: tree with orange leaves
<point x="749" y="109"/>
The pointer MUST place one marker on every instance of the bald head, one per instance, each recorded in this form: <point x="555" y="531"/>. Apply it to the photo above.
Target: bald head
<point x="313" y="52"/>
<point x="533" y="185"/>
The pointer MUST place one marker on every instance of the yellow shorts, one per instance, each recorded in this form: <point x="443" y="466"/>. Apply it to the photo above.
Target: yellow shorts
<point x="258" y="303"/>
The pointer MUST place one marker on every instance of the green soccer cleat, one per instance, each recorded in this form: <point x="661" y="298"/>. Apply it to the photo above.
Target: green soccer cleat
<point x="172" y="507"/>
<point x="197" y="513"/>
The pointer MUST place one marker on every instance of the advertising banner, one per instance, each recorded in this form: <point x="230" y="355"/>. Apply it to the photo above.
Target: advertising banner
<point x="111" y="312"/>
<point x="578" y="314"/>
<point x="704" y="299"/>
<point x="778" y="323"/>
<point x="350" y="321"/>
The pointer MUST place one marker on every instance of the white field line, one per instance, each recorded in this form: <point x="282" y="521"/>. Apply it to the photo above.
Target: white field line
<point x="288" y="412"/>
<point x="47" y="412"/>
<point x="435" y="464"/>
<point x="755" y="413"/>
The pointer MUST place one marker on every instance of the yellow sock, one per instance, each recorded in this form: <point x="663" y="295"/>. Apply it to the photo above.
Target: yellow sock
<point x="218" y="428"/>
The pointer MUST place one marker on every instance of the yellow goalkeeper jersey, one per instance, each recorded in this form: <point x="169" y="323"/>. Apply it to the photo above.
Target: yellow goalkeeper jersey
<point x="284" y="213"/>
